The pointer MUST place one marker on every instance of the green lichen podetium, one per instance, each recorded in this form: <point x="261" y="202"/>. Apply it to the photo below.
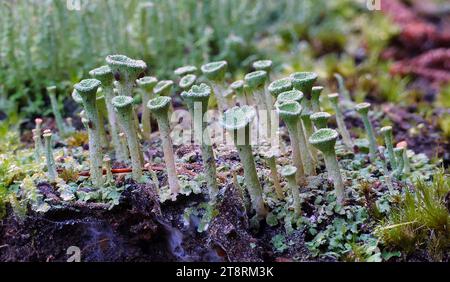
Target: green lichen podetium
<point x="37" y="137"/>
<point x="196" y="100"/>
<point x="125" y="71"/>
<point x="289" y="173"/>
<point x="290" y="112"/>
<point x="388" y="141"/>
<point x="325" y="140"/>
<point x="147" y="84"/>
<point x="265" y="65"/>
<point x="238" y="88"/>
<point x="320" y="119"/>
<point x="315" y="98"/>
<point x="346" y="138"/>
<point x="185" y="70"/>
<point x="187" y="81"/>
<point x="271" y="159"/>
<point x="306" y="155"/>
<point x="237" y="122"/>
<point x="256" y="84"/>
<point x="51" y="167"/>
<point x="51" y="90"/>
<point x="87" y="89"/>
<point x="304" y="81"/>
<point x="124" y="110"/>
<point x="159" y="106"/>
<point x="363" y="110"/>
<point x="215" y="73"/>
<point x="105" y="76"/>
<point x="279" y="86"/>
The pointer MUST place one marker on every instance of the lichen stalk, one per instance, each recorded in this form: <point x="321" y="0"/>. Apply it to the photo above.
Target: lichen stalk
<point x="87" y="89"/>
<point x="363" y="110"/>
<point x="197" y="102"/>
<point x="289" y="173"/>
<point x="346" y="138"/>
<point x="159" y="106"/>
<point x="124" y="110"/>
<point x="237" y="122"/>
<point x="55" y="109"/>
<point x="51" y="167"/>
<point x="325" y="141"/>
<point x="105" y="75"/>
<point x="388" y="141"/>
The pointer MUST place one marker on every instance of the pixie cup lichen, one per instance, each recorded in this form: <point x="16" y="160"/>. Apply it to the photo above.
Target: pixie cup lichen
<point x="363" y="110"/>
<point x="185" y="70"/>
<point x="159" y="106"/>
<point x="147" y="84"/>
<point x="346" y="138"/>
<point x="305" y="152"/>
<point x="315" y="98"/>
<point x="124" y="110"/>
<point x="105" y="76"/>
<point x="255" y="81"/>
<point x="304" y="82"/>
<point x="271" y="155"/>
<point x="289" y="173"/>
<point x="51" y="167"/>
<point x="279" y="86"/>
<point x="87" y="89"/>
<point x="215" y="73"/>
<point x="163" y="88"/>
<point x="51" y="90"/>
<point x="388" y="141"/>
<point x="238" y="88"/>
<point x="37" y="135"/>
<point x="290" y="112"/>
<point x="125" y="71"/>
<point x="237" y="122"/>
<point x="197" y="102"/>
<point x="325" y="140"/>
<point x="320" y="119"/>
<point x="187" y="81"/>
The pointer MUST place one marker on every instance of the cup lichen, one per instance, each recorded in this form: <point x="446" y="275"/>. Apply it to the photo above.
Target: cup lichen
<point x="197" y="102"/>
<point x="237" y="122"/>
<point x="363" y="110"/>
<point x="159" y="106"/>
<point x="325" y="140"/>
<point x="124" y="109"/>
<point x="87" y="89"/>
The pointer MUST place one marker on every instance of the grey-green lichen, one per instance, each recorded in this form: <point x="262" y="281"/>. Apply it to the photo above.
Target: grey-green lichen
<point x="159" y="106"/>
<point x="124" y="110"/>
<point x="147" y="84"/>
<point x="363" y="110"/>
<point x="320" y="119"/>
<point x="51" y="166"/>
<point x="105" y="76"/>
<point x="237" y="121"/>
<point x="87" y="89"/>
<point x="289" y="173"/>
<point x="325" y="140"/>
<point x="51" y="90"/>
<point x="197" y="102"/>
<point x="346" y="138"/>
